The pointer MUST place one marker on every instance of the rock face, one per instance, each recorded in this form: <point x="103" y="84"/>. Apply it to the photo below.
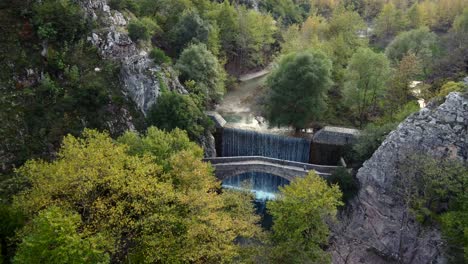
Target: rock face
<point x="141" y="78"/>
<point x="378" y="229"/>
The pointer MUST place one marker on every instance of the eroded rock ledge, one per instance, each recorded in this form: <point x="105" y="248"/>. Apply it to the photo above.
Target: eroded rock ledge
<point x="141" y="78"/>
<point x="378" y="228"/>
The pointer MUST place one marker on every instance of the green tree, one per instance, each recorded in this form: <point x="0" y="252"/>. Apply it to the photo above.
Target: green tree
<point x="286" y="11"/>
<point x="297" y="89"/>
<point x="343" y="40"/>
<point x="174" y="110"/>
<point x="198" y="64"/>
<point x="460" y="27"/>
<point x="398" y="92"/>
<point x="389" y="22"/>
<point x="421" y="42"/>
<point x="256" y="31"/>
<point x="146" y="208"/>
<point x="299" y="220"/>
<point x="59" y="20"/>
<point x="52" y="237"/>
<point x="191" y="28"/>
<point x="367" y="74"/>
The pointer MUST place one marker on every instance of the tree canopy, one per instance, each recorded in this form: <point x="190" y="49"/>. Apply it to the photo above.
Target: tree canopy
<point x="149" y="202"/>
<point x="299" y="215"/>
<point x="197" y="63"/>
<point x="297" y="89"/>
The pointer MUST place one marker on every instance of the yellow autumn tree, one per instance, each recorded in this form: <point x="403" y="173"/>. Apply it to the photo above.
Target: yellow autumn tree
<point x="150" y="197"/>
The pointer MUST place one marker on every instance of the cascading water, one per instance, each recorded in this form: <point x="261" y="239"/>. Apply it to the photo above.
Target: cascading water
<point x="263" y="185"/>
<point x="237" y="142"/>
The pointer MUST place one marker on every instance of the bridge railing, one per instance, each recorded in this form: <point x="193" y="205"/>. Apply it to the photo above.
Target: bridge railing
<point x="308" y="166"/>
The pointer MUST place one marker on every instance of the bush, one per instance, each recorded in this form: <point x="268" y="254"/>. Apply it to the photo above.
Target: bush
<point x="59" y="20"/>
<point x="174" y="110"/>
<point x="348" y="184"/>
<point x="369" y="141"/>
<point x="159" y="56"/>
<point x="142" y="29"/>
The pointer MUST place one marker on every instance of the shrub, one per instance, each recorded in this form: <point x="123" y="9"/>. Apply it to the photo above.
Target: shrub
<point x="142" y="29"/>
<point x="348" y="184"/>
<point x="159" y="56"/>
<point x="59" y="20"/>
<point x="174" y="110"/>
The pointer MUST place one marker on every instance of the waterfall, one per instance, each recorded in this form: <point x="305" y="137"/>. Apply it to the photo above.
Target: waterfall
<point x="263" y="185"/>
<point x="237" y="142"/>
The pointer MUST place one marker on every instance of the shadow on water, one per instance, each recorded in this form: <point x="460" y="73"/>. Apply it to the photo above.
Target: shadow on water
<point x="264" y="186"/>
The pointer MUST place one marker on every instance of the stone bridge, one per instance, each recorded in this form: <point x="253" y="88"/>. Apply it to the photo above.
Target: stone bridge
<point x="226" y="167"/>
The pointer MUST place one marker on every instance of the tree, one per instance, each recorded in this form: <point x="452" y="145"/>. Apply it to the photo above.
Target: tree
<point x="367" y="74"/>
<point x="198" y="64"/>
<point x="52" y="237"/>
<point x="398" y="92"/>
<point x="174" y="110"/>
<point x="283" y="10"/>
<point x="421" y="42"/>
<point x="389" y="22"/>
<point x="151" y="202"/>
<point x="256" y="31"/>
<point x="297" y="89"/>
<point x="59" y="20"/>
<point x="460" y="27"/>
<point x="191" y="28"/>
<point x="415" y="17"/>
<point x="299" y="220"/>
<point x="343" y="40"/>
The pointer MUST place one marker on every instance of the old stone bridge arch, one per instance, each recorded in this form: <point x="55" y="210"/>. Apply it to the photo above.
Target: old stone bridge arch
<point x="226" y="167"/>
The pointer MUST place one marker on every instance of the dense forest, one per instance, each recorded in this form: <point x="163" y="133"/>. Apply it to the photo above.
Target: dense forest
<point x="87" y="176"/>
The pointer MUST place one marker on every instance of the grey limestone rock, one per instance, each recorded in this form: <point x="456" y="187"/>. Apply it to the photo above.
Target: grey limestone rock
<point x="140" y="76"/>
<point x="377" y="228"/>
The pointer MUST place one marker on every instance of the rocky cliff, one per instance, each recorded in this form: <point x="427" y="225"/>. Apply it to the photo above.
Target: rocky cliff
<point x="141" y="77"/>
<point x="378" y="229"/>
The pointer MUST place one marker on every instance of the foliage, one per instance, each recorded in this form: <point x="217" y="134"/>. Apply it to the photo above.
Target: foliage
<point x="52" y="237"/>
<point x="421" y="42"/>
<point x="398" y="92"/>
<point x="452" y="87"/>
<point x="147" y="209"/>
<point x="159" y="144"/>
<point x="347" y="183"/>
<point x="285" y="10"/>
<point x="142" y="29"/>
<point x="256" y="33"/>
<point x="299" y="220"/>
<point x="174" y="110"/>
<point x="59" y="20"/>
<point x="390" y="22"/>
<point x="370" y="139"/>
<point x="434" y="191"/>
<point x="298" y="89"/>
<point x="197" y="63"/>
<point x="191" y="28"/>
<point x="159" y="56"/>
<point x="366" y="74"/>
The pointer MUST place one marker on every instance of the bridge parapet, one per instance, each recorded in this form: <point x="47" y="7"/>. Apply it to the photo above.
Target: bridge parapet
<point x="226" y="167"/>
